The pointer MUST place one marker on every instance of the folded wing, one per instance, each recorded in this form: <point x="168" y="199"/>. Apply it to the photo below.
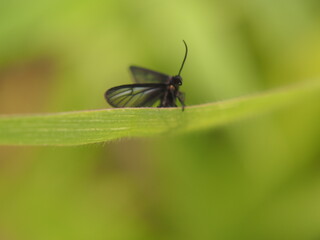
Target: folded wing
<point x="143" y="75"/>
<point x="135" y="95"/>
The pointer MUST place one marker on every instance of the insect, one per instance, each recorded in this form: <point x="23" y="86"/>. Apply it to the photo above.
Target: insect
<point x="150" y="87"/>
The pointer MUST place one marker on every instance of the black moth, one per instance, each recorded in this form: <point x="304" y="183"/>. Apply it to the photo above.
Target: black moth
<point x="150" y="87"/>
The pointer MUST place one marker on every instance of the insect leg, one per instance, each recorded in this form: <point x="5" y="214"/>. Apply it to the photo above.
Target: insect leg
<point x="181" y="97"/>
<point x="163" y="102"/>
<point x="173" y="96"/>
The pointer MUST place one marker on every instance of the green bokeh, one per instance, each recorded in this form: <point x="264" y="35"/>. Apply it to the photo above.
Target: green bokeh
<point x="255" y="179"/>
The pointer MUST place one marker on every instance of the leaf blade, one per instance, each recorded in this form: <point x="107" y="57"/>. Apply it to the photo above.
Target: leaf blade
<point x="84" y="127"/>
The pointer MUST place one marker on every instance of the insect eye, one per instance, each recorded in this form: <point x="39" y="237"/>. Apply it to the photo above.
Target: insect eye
<point x="177" y="80"/>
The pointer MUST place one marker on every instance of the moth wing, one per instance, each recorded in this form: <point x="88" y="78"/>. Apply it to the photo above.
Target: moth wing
<point x="143" y="75"/>
<point x="135" y="95"/>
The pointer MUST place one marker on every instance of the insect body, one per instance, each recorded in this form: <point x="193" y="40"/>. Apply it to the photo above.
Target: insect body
<point x="150" y="87"/>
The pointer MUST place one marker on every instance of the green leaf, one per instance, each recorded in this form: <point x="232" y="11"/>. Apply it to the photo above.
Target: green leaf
<point x="83" y="127"/>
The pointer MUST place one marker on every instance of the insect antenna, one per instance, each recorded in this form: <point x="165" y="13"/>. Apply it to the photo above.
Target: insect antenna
<point x="185" y="57"/>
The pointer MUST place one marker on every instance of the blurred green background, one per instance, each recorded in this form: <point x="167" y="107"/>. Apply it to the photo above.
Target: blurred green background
<point x="254" y="179"/>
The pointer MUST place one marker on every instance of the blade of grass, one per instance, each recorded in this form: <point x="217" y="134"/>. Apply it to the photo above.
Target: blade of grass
<point x="83" y="127"/>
